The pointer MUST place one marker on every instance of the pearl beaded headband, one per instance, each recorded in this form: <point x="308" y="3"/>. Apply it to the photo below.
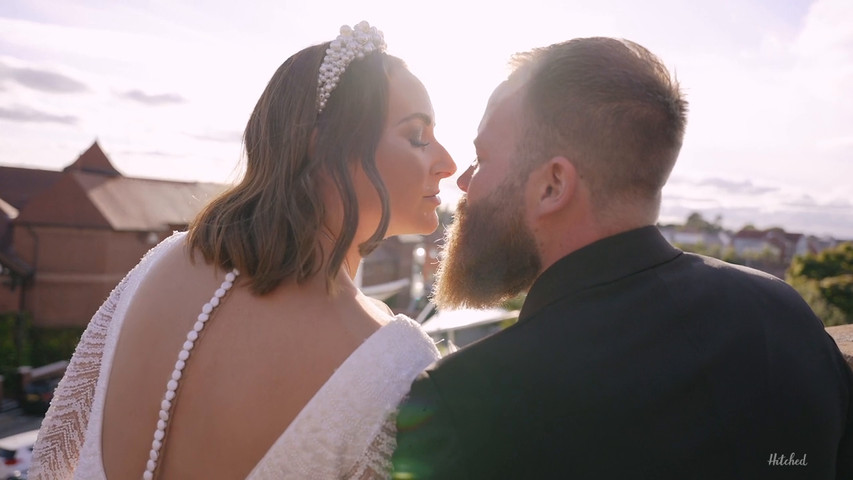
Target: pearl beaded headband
<point x="352" y="43"/>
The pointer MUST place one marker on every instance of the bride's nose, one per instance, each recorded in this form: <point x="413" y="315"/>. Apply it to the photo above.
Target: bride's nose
<point x="443" y="164"/>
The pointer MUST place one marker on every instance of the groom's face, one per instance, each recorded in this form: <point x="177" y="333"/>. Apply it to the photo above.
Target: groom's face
<point x="491" y="253"/>
<point x="497" y="137"/>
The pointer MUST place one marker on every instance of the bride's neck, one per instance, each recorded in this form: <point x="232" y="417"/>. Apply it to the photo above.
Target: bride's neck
<point x="351" y="262"/>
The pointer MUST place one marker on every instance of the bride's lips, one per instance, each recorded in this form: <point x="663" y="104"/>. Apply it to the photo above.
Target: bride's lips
<point x="434" y="198"/>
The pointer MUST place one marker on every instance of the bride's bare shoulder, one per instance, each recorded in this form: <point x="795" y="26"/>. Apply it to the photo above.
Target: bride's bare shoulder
<point x="377" y="310"/>
<point x="382" y="306"/>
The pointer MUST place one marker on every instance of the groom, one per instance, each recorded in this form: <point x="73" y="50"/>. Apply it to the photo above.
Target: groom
<point x="630" y="358"/>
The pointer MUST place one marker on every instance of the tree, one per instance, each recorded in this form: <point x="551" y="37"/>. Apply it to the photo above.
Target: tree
<point x="828" y="313"/>
<point x="696" y="221"/>
<point x="831" y="262"/>
<point x="826" y="281"/>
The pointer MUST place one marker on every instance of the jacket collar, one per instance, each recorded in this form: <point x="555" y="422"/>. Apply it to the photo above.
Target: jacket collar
<point x="598" y="263"/>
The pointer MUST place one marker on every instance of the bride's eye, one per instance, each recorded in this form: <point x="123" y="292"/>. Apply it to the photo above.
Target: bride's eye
<point x="417" y="140"/>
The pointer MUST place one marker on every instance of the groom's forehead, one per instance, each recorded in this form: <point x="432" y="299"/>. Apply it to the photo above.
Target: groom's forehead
<point x="501" y="111"/>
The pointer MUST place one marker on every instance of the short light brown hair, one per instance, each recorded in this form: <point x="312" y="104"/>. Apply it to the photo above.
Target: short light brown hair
<point x="612" y="108"/>
<point x="268" y="225"/>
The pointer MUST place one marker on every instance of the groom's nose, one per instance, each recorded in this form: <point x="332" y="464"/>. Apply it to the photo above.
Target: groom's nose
<point x="464" y="179"/>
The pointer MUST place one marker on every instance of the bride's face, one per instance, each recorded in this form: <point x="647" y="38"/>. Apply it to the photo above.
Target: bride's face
<point x="410" y="161"/>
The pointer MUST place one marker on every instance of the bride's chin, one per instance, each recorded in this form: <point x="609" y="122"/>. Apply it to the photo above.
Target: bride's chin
<point x="424" y="225"/>
<point x="428" y="229"/>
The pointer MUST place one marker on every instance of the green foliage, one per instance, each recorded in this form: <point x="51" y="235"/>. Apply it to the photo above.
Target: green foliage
<point x="15" y="348"/>
<point x="515" y="302"/>
<point x="23" y="344"/>
<point x="53" y="344"/>
<point x="828" y="263"/>
<point x="726" y="254"/>
<point x="730" y="255"/>
<point x="8" y="352"/>
<point x="766" y="257"/>
<point x="809" y="289"/>
<point x="695" y="221"/>
<point x="826" y="281"/>
<point x="838" y="291"/>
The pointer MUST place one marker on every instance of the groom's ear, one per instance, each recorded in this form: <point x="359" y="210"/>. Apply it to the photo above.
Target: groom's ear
<point x="554" y="185"/>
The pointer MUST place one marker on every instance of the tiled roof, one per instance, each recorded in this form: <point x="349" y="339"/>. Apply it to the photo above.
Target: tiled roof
<point x="91" y="193"/>
<point x="139" y="204"/>
<point x="91" y="200"/>
<point x="18" y="185"/>
<point x="93" y="160"/>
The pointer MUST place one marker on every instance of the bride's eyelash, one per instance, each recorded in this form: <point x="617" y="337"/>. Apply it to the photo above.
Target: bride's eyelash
<point x="416" y="140"/>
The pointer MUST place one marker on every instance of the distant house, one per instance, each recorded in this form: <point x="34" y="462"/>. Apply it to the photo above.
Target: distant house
<point x="393" y="273"/>
<point x="681" y="235"/>
<point x="817" y="244"/>
<point x="751" y="242"/>
<point x="410" y="262"/>
<point x="67" y="238"/>
<point x="784" y="246"/>
<point x="771" y="250"/>
<point x="794" y="244"/>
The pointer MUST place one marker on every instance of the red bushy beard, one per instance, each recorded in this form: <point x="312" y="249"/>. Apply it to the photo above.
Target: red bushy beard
<point x="490" y="254"/>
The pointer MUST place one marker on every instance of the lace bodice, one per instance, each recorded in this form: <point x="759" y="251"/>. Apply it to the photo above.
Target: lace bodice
<point x="345" y="431"/>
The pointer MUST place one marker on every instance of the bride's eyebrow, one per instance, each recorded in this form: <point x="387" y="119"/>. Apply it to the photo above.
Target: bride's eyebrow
<point x="417" y="115"/>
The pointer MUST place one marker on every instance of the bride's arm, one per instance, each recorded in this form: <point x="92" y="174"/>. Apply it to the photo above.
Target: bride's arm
<point x="63" y="430"/>
<point x="375" y="462"/>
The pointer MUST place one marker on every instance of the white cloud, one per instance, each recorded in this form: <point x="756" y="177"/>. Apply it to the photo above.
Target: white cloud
<point x="767" y="81"/>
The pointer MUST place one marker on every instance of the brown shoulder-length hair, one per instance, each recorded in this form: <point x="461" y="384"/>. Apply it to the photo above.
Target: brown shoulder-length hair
<point x="267" y="225"/>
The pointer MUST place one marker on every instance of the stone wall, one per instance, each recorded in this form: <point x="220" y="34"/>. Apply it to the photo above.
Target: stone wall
<point x="843" y="335"/>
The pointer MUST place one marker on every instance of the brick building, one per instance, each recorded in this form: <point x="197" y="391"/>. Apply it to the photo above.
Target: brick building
<point x="76" y="233"/>
<point x="67" y="238"/>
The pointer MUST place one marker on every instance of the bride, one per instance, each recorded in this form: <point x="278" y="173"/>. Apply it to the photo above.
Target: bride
<point x="242" y="348"/>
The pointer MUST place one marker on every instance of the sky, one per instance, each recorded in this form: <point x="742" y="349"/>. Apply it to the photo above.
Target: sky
<point x="166" y="86"/>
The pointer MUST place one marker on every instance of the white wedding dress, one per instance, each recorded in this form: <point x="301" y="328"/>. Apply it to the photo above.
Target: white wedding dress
<point x="345" y="431"/>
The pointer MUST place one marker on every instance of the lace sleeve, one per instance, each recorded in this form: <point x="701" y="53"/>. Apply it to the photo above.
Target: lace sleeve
<point x="63" y="430"/>
<point x="375" y="462"/>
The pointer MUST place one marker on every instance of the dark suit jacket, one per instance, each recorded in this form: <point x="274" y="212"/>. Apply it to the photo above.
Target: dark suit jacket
<point x="634" y="360"/>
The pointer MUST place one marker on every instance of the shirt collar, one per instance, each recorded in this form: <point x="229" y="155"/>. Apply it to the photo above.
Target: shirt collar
<point x="598" y="263"/>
